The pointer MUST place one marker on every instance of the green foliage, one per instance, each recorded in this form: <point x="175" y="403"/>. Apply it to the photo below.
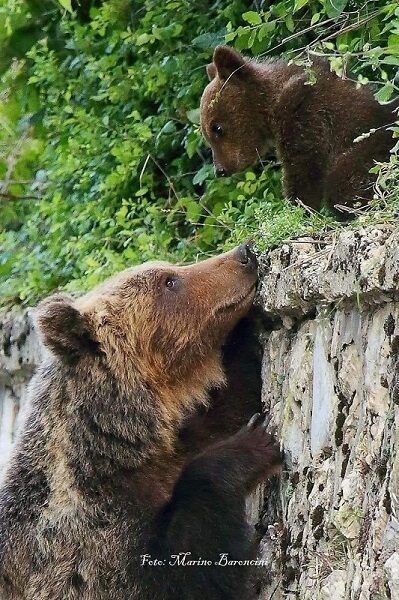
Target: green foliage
<point x="100" y="111"/>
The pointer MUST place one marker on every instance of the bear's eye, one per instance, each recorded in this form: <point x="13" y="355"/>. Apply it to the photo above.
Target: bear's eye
<point x="217" y="129"/>
<point x="171" y="283"/>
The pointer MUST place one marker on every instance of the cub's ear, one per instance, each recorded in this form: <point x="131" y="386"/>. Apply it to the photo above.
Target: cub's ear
<point x="228" y="61"/>
<point x="63" y="328"/>
<point x="211" y="71"/>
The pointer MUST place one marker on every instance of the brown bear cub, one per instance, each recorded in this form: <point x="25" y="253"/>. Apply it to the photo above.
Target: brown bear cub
<point x="130" y="460"/>
<point x="250" y="107"/>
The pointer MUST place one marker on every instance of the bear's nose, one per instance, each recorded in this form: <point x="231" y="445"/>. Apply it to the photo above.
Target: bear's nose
<point x="220" y="172"/>
<point x="245" y="255"/>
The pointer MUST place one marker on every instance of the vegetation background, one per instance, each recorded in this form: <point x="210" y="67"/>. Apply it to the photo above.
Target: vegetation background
<point x="102" y="164"/>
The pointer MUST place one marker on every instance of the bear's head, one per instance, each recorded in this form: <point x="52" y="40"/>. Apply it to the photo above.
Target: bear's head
<point x="155" y="322"/>
<point x="233" y="112"/>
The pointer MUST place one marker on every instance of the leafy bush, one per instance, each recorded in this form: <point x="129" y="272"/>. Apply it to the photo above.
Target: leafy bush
<point x="101" y="115"/>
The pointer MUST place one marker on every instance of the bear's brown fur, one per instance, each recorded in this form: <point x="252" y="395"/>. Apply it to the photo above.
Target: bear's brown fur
<point x="250" y="107"/>
<point x="126" y="451"/>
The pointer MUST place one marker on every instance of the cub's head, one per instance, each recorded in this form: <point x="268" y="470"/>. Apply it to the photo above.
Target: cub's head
<point x="154" y="318"/>
<point x="232" y="112"/>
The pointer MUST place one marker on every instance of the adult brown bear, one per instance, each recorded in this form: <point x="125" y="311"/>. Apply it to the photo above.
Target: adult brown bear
<point x="120" y="469"/>
<point x="249" y="107"/>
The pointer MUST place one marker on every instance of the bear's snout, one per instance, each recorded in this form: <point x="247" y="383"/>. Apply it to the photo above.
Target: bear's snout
<point x="220" y="171"/>
<point x="246" y="256"/>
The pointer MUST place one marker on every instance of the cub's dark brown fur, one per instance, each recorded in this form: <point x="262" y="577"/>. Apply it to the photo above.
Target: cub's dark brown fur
<point x="129" y="450"/>
<point x="249" y="107"/>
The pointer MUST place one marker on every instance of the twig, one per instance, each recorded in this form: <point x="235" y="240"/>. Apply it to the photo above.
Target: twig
<point x="144" y="168"/>
<point x="298" y="34"/>
<point x="333" y="246"/>
<point x="18" y="182"/>
<point x="306" y="241"/>
<point x="260" y="158"/>
<point x="13" y="198"/>
<point x="309" y="259"/>
<point x="168" y="179"/>
<point x="210" y="214"/>
<point x="306" y="208"/>
<point x="351" y="210"/>
<point x="149" y="156"/>
<point x="12" y="160"/>
<point x="351" y="26"/>
<point x="370" y="52"/>
<point x="344" y="29"/>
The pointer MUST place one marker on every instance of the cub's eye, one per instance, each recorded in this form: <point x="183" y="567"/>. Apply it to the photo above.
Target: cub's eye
<point x="171" y="283"/>
<point x="217" y="130"/>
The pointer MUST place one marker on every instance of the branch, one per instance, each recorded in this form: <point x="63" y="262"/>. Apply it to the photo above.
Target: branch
<point x="12" y="160"/>
<point x="9" y="197"/>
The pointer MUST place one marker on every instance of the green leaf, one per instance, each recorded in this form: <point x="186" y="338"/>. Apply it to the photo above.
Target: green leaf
<point x="193" y="116"/>
<point x="230" y="36"/>
<point x="252" y="38"/>
<point x="142" y="39"/>
<point x="393" y="43"/>
<point x="395" y="149"/>
<point x="192" y="143"/>
<point x="335" y="7"/>
<point x="67" y="4"/>
<point x="209" y="40"/>
<point x="391" y="60"/>
<point x="252" y="17"/>
<point x="169" y="127"/>
<point x="202" y="174"/>
<point x="300" y="4"/>
<point x="385" y="93"/>
<point x="289" y="23"/>
<point x="265" y="29"/>
<point x="5" y="267"/>
<point x="315" y="19"/>
<point x="193" y="211"/>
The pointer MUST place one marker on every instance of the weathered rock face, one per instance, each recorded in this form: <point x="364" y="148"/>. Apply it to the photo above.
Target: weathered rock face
<point x="331" y="382"/>
<point x="19" y="355"/>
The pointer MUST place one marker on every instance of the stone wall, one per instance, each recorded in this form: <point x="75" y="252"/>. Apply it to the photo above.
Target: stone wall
<point x="331" y="383"/>
<point x="19" y="355"/>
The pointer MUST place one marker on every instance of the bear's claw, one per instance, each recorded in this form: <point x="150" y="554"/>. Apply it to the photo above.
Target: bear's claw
<point x="259" y="420"/>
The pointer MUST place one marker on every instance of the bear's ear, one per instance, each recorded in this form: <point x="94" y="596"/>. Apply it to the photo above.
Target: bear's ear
<point x="63" y="328"/>
<point x="211" y="71"/>
<point x="228" y="61"/>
